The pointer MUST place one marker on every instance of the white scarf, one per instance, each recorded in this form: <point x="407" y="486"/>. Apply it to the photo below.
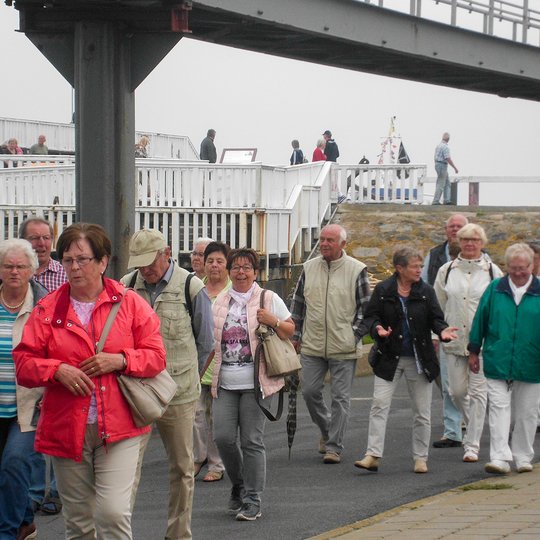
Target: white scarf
<point x="519" y="291"/>
<point x="240" y="299"/>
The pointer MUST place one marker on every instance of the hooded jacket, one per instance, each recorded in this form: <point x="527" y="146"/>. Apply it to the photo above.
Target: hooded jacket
<point x="53" y="335"/>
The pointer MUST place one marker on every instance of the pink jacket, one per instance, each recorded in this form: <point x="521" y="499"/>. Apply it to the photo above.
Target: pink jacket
<point x="269" y="385"/>
<point x="53" y="335"/>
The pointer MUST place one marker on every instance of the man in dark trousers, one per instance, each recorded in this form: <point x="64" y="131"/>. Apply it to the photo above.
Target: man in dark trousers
<point x="331" y="150"/>
<point x="436" y="257"/>
<point x="208" y="148"/>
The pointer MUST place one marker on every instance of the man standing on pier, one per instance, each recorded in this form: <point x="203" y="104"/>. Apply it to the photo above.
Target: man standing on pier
<point x="436" y="257"/>
<point x="442" y="160"/>
<point x="328" y="309"/>
<point x="208" y="148"/>
<point x="331" y="150"/>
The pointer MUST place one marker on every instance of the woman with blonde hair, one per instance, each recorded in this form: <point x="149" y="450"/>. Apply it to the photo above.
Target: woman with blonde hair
<point x="459" y="285"/>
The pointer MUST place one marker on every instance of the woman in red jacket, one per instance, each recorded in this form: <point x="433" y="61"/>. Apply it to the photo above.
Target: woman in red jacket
<point x="85" y="422"/>
<point x="318" y="153"/>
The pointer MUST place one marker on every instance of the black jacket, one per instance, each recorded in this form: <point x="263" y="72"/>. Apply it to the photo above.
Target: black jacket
<point x="331" y="150"/>
<point x="425" y="315"/>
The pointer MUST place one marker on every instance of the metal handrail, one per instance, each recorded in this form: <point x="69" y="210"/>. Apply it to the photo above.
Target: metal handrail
<point x="515" y="12"/>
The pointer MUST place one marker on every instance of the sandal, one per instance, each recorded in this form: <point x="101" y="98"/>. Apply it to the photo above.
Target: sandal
<point x="51" y="505"/>
<point x="213" y="476"/>
<point x="198" y="466"/>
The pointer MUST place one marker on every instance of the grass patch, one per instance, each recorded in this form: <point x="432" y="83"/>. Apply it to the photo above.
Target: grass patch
<point x="486" y="486"/>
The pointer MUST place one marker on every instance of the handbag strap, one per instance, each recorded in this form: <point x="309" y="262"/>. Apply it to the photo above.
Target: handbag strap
<point x="257" y="383"/>
<point x="108" y="324"/>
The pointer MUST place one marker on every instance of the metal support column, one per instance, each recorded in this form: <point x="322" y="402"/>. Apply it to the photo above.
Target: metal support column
<point x="105" y="126"/>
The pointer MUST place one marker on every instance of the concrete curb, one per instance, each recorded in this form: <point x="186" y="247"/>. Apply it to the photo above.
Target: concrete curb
<point x="461" y="501"/>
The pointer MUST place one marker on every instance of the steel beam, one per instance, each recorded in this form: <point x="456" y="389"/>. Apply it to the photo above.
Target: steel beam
<point x="363" y="37"/>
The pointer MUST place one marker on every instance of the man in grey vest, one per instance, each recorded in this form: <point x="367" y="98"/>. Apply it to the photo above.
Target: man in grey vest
<point x="187" y="328"/>
<point x="438" y="256"/>
<point x="328" y="310"/>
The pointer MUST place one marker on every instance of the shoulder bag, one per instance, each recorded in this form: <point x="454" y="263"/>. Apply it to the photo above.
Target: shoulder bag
<point x="148" y="397"/>
<point x="279" y="354"/>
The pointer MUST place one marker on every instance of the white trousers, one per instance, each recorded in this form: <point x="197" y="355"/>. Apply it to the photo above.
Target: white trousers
<point x="469" y="392"/>
<point x="523" y="397"/>
<point x="420" y="393"/>
<point x="96" y="493"/>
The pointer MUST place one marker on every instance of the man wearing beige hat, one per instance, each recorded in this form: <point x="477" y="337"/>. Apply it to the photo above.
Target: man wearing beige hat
<point x="187" y="328"/>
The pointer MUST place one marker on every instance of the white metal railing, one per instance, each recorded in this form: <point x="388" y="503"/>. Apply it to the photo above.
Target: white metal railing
<point x="61" y="137"/>
<point x="400" y="183"/>
<point x="275" y="210"/>
<point x="511" y="19"/>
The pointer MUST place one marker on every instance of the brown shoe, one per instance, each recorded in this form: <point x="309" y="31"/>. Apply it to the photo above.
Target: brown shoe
<point x="331" y="458"/>
<point x="420" y="466"/>
<point x="27" y="531"/>
<point x="370" y="463"/>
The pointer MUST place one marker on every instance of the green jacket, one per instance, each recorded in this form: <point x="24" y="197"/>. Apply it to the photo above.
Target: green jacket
<point x="507" y="334"/>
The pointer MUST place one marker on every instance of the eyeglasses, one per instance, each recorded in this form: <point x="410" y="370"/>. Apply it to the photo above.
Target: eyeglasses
<point x="18" y="267"/>
<point x="244" y="267"/>
<point x="37" y="238"/>
<point x="475" y="240"/>
<point x="518" y="269"/>
<point x="197" y="253"/>
<point x="81" y="261"/>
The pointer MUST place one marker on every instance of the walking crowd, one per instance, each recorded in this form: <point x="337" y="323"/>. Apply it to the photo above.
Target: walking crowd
<point x="452" y="318"/>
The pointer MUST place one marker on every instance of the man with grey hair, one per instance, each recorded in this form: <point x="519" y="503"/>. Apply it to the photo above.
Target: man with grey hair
<point x="40" y="148"/>
<point x="442" y="160"/>
<point x="197" y="256"/>
<point x="188" y="336"/>
<point x="437" y="257"/>
<point x="328" y="310"/>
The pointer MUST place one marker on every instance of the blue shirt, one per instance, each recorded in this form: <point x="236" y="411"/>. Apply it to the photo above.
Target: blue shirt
<point x="8" y="397"/>
<point x="442" y="152"/>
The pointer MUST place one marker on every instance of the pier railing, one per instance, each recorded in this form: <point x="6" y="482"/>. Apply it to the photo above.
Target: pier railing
<point x="276" y="210"/>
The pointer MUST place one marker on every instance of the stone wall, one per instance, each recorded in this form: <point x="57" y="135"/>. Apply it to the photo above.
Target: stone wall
<point x="374" y="231"/>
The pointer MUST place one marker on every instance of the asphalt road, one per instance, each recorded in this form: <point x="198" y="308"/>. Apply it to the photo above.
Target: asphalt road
<point x="303" y="496"/>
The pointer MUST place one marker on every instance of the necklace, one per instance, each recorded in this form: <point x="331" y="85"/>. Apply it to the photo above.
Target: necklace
<point x="404" y="290"/>
<point x="9" y="306"/>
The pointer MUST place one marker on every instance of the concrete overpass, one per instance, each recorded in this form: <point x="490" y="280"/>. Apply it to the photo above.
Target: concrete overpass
<point x="106" y="48"/>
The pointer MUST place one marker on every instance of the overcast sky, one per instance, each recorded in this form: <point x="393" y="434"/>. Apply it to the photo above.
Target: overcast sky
<point x="254" y="100"/>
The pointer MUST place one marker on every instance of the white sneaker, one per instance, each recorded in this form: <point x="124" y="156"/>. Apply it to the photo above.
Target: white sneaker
<point x="470" y="456"/>
<point x="524" y="466"/>
<point x="497" y="466"/>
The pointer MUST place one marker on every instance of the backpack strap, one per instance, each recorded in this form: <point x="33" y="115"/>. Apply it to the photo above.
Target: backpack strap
<point x="189" y="303"/>
<point x="133" y="279"/>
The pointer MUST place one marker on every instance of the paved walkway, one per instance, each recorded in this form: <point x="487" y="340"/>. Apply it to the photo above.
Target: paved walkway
<point x="498" y="507"/>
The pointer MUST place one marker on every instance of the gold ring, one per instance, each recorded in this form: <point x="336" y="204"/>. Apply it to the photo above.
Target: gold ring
<point x="76" y="385"/>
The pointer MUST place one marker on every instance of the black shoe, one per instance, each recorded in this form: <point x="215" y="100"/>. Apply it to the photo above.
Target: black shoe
<point x="235" y="502"/>
<point x="446" y="443"/>
<point x="249" y="512"/>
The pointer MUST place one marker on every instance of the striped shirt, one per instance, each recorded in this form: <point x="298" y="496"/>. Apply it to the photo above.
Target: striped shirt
<point x="8" y="398"/>
<point x="53" y="276"/>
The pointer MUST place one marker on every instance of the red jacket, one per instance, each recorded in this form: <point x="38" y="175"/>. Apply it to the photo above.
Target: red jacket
<point x="318" y="155"/>
<point x="54" y="335"/>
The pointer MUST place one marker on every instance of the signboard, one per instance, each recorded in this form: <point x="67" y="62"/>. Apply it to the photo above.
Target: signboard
<point x="238" y="155"/>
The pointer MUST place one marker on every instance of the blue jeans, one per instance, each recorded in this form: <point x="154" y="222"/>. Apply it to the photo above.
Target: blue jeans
<point x="238" y="433"/>
<point x="442" y="187"/>
<point x="38" y="485"/>
<point x="452" y="416"/>
<point x="15" y="474"/>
